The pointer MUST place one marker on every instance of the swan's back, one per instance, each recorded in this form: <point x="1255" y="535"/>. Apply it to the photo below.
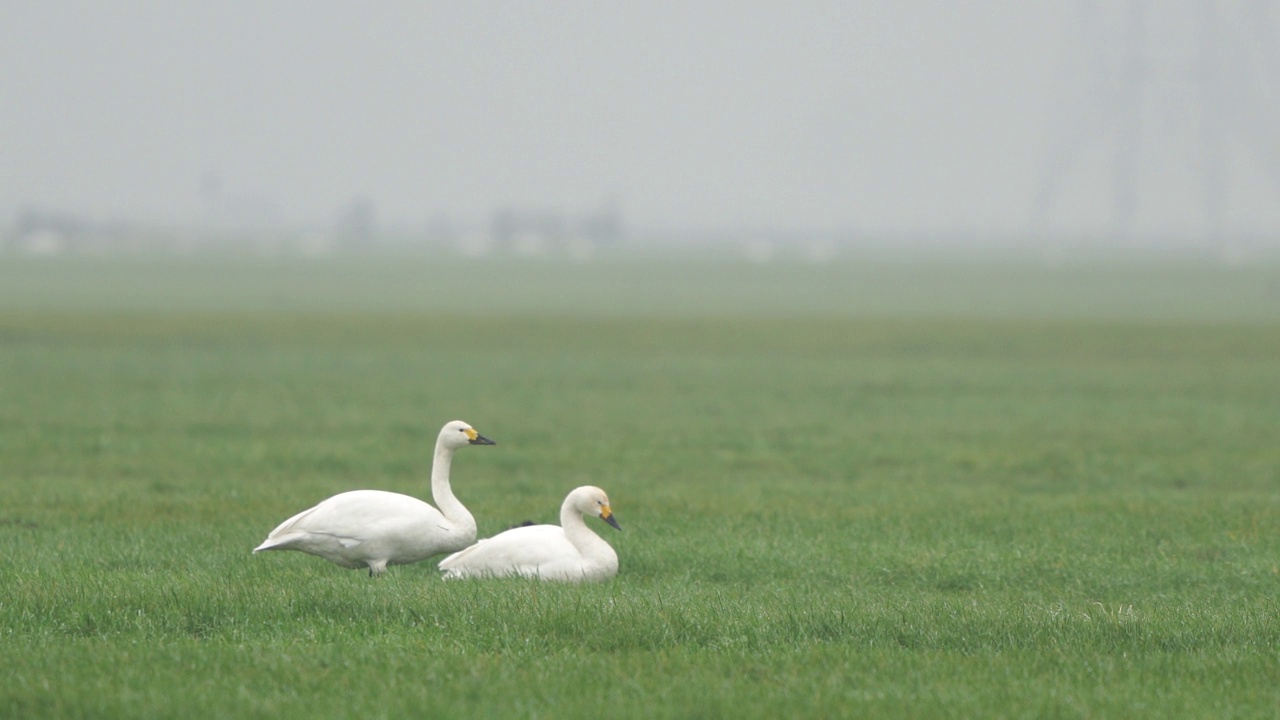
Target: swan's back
<point x="352" y="526"/>
<point x="351" y="513"/>
<point x="517" y="551"/>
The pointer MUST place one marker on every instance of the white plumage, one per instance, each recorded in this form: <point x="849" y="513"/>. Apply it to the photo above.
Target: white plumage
<point x="373" y="528"/>
<point x="568" y="552"/>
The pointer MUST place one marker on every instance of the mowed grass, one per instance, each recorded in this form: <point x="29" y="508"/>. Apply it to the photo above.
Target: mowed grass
<point x="826" y="512"/>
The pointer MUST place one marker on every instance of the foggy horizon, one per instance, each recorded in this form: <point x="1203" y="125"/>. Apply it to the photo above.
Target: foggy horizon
<point x="991" y="120"/>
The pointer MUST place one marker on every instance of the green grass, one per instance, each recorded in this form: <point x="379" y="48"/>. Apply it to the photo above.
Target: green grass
<point x="1022" y="504"/>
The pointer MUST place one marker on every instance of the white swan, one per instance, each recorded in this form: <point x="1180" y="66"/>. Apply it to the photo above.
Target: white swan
<point x="373" y="528"/>
<point x="570" y="551"/>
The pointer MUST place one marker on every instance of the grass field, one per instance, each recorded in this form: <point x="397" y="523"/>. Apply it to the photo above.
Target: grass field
<point x="869" y="489"/>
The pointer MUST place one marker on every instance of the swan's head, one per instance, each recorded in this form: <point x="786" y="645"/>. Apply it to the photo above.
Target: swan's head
<point x="458" y="434"/>
<point x="592" y="501"/>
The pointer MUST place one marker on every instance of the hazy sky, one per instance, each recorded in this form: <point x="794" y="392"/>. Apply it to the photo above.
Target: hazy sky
<point x="870" y="116"/>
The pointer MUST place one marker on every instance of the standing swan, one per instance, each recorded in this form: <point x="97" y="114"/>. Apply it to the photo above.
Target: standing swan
<point x="374" y="528"/>
<point x="569" y="552"/>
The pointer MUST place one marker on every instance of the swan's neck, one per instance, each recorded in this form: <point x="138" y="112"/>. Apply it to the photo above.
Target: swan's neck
<point x="591" y="545"/>
<point x="449" y="506"/>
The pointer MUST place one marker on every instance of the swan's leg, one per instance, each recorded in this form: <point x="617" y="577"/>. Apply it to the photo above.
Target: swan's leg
<point x="377" y="567"/>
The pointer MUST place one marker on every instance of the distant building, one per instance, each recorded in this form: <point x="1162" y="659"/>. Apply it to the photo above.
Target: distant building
<point x="357" y="225"/>
<point x="532" y="232"/>
<point x="37" y="232"/>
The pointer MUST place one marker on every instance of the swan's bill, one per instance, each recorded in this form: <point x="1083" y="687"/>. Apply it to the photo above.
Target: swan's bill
<point x="476" y="438"/>
<point x="606" y="515"/>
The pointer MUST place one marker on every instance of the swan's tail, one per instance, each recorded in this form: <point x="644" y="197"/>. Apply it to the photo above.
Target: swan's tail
<point x="277" y="542"/>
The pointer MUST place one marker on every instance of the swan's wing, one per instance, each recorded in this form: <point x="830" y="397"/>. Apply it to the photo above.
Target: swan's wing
<point x="519" y="550"/>
<point x="350" y="517"/>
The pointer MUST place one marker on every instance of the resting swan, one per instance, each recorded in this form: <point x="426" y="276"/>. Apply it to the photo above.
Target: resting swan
<point x="569" y="552"/>
<point x="373" y="528"/>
